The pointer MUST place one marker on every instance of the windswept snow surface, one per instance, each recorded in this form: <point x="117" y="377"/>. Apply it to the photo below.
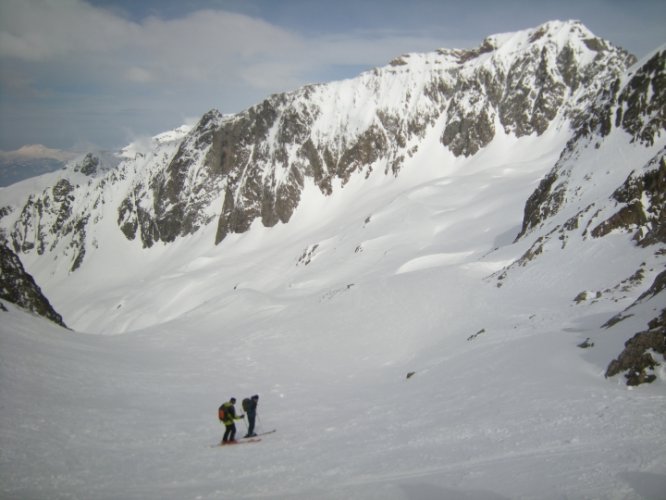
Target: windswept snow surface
<point x="323" y="318"/>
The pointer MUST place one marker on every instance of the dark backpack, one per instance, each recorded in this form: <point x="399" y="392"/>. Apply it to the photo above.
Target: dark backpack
<point x="246" y="405"/>
<point x="221" y="412"/>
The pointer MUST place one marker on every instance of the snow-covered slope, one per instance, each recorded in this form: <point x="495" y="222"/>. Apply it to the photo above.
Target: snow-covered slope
<point x="324" y="318"/>
<point x="407" y="249"/>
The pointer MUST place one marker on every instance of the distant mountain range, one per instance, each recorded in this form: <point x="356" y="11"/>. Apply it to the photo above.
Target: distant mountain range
<point x="30" y="161"/>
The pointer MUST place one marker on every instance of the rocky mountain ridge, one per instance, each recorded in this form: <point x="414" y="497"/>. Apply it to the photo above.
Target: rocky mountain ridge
<point x="254" y="165"/>
<point x="632" y="202"/>
<point x="19" y="288"/>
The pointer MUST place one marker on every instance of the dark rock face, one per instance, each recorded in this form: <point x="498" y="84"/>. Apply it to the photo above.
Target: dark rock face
<point x="18" y="287"/>
<point x="173" y="203"/>
<point x="643" y="202"/>
<point x="88" y="166"/>
<point x="534" y="93"/>
<point x="260" y="180"/>
<point x="542" y="203"/>
<point x="635" y="360"/>
<point x="527" y="95"/>
<point x="656" y="288"/>
<point x="640" y="106"/>
<point x="466" y="135"/>
<point x="264" y="179"/>
<point x="57" y="220"/>
<point x="49" y="217"/>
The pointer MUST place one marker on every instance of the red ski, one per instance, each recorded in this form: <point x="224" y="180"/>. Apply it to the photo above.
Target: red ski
<point x="235" y="443"/>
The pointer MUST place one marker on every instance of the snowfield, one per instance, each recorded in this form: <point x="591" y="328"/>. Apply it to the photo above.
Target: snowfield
<point x="324" y="317"/>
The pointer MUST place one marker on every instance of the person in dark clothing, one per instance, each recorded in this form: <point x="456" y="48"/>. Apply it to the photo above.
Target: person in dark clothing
<point x="251" y="413"/>
<point x="229" y="417"/>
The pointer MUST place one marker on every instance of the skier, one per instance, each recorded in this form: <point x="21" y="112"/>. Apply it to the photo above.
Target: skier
<point x="229" y="417"/>
<point x="250" y="407"/>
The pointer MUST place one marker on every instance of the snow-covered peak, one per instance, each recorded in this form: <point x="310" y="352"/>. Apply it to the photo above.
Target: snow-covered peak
<point x="256" y="164"/>
<point x="560" y="33"/>
<point x="143" y="146"/>
<point x="504" y="49"/>
<point x="173" y="135"/>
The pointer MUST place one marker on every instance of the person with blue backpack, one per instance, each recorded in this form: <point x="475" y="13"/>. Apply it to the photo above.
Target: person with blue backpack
<point x="250" y="409"/>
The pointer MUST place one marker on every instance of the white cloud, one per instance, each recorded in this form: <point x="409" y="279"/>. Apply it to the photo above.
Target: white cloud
<point x="96" y="71"/>
<point x="377" y="48"/>
<point x="210" y="45"/>
<point x="38" y="30"/>
<point x="204" y="46"/>
<point x="138" y="75"/>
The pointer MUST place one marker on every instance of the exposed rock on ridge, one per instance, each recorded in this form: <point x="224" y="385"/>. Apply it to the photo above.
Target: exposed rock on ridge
<point x="639" y="106"/>
<point x="18" y="287"/>
<point x="632" y="108"/>
<point x="643" y="205"/>
<point x="519" y="84"/>
<point x="175" y="200"/>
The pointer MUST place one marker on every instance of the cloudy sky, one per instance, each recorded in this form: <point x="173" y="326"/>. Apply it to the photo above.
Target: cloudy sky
<point x="78" y="74"/>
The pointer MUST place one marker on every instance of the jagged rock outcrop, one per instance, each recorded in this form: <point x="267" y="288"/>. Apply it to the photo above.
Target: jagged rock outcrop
<point x="88" y="166"/>
<point x="58" y="218"/>
<point x="642" y="198"/>
<point x="49" y="217"/>
<point x="173" y="203"/>
<point x="18" y="287"/>
<point x="587" y="199"/>
<point x="639" y="108"/>
<point x="637" y="360"/>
